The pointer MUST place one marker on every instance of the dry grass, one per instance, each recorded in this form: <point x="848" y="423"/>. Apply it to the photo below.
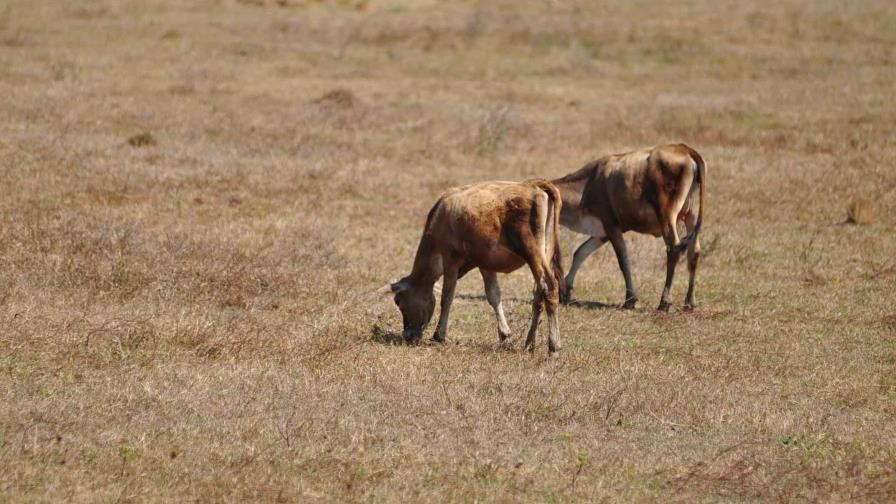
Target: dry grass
<point x="195" y="319"/>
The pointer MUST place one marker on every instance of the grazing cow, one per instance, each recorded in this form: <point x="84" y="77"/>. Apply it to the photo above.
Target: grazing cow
<point x="647" y="191"/>
<point x="497" y="227"/>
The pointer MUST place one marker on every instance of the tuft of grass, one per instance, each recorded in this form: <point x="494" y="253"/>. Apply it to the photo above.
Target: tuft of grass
<point x="144" y="139"/>
<point x="889" y="322"/>
<point x="338" y="97"/>
<point x="494" y="129"/>
<point x="171" y="34"/>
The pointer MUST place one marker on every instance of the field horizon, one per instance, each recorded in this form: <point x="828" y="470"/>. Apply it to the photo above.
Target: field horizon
<point x="200" y="200"/>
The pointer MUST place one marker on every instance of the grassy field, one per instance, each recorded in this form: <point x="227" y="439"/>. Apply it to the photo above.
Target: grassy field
<point x="199" y="200"/>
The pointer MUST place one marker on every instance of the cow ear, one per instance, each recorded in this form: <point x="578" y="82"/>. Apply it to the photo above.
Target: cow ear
<point x="393" y="287"/>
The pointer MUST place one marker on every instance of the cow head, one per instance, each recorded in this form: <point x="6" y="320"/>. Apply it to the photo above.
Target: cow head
<point x="416" y="304"/>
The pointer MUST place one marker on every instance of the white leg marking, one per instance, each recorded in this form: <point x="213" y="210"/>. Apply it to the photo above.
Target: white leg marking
<point x="546" y="224"/>
<point x="493" y="294"/>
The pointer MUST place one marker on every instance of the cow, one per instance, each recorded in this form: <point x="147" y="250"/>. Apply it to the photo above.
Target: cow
<point x="497" y="227"/>
<point x="647" y="191"/>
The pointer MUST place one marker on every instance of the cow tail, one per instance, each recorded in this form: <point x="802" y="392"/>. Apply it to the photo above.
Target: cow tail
<point x="701" y="179"/>
<point x="556" y="202"/>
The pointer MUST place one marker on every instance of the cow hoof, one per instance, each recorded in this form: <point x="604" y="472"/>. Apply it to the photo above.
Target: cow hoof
<point x="566" y="297"/>
<point x="553" y="354"/>
<point x="629" y="304"/>
<point x="689" y="307"/>
<point x="664" y="306"/>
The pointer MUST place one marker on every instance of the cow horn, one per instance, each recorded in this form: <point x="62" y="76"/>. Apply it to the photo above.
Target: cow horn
<point x="393" y="287"/>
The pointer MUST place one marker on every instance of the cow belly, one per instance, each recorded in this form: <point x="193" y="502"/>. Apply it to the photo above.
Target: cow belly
<point x="499" y="259"/>
<point x="591" y="226"/>
<point x="641" y="220"/>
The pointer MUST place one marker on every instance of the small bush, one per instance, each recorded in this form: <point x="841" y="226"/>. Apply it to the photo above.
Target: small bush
<point x="171" y="34"/>
<point x="492" y="130"/>
<point x="142" y="140"/>
<point x="339" y="97"/>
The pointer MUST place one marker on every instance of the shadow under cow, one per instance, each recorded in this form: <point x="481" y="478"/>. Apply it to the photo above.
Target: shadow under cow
<point x="576" y="303"/>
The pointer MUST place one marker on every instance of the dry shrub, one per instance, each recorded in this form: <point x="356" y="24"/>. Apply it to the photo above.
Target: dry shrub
<point x="171" y="34"/>
<point x="142" y="140"/>
<point x="14" y="39"/>
<point x="341" y="110"/>
<point x="812" y="259"/>
<point x="64" y="71"/>
<point x="265" y="3"/>
<point x="339" y="97"/>
<point x="861" y="211"/>
<point x="711" y="245"/>
<point x="88" y="12"/>
<point x="361" y="5"/>
<point x="498" y="126"/>
<point x="889" y="322"/>
<point x="492" y="130"/>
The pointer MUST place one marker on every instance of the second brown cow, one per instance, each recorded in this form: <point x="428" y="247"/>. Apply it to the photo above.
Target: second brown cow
<point x="646" y="191"/>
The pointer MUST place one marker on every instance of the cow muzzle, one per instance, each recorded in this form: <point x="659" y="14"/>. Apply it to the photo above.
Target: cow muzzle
<point x="412" y="336"/>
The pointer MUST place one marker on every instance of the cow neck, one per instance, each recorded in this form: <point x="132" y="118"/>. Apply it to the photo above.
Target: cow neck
<point x="427" y="264"/>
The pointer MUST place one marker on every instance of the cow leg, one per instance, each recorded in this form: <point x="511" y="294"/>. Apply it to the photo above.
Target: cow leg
<point x="616" y="239"/>
<point x="587" y="248"/>
<point x="449" y="281"/>
<point x="673" y="254"/>
<point x="547" y="293"/>
<point x="537" y="296"/>
<point x="493" y="294"/>
<point x="693" y="259"/>
<point x="536" y="250"/>
<point x="551" y="300"/>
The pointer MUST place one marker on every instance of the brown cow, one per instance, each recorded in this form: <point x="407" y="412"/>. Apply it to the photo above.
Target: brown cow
<point x="497" y="227"/>
<point x="647" y="191"/>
